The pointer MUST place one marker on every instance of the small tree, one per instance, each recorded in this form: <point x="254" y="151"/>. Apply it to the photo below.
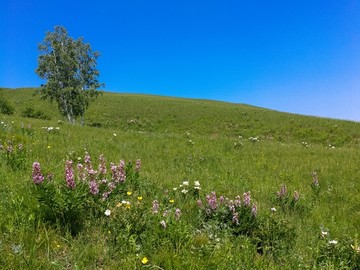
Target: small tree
<point x="69" y="66"/>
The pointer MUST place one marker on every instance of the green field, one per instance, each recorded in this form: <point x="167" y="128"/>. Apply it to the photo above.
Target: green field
<point x="229" y="148"/>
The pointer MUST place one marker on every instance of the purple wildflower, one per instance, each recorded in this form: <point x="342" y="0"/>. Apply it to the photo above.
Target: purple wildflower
<point x="102" y="165"/>
<point x="94" y="187"/>
<point x="69" y="174"/>
<point x="81" y="172"/>
<point x="254" y="210"/>
<point x="165" y="213"/>
<point x="315" y="179"/>
<point x="199" y="203"/>
<point x="37" y="176"/>
<point x="247" y="198"/>
<point x="105" y="195"/>
<point x="212" y="200"/>
<point x="235" y="218"/>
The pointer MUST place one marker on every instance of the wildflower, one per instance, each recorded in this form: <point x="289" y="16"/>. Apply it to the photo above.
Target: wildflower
<point x="105" y="195"/>
<point x="138" y="165"/>
<point x="129" y="193"/>
<point x="197" y="185"/>
<point x="356" y="248"/>
<point x="324" y="233"/>
<point x="273" y="209"/>
<point x="177" y="213"/>
<point x="315" y="179"/>
<point x="254" y="210"/>
<point x="94" y="187"/>
<point x="69" y="175"/>
<point x="139" y="198"/>
<point x="81" y="172"/>
<point x="48" y="147"/>
<point x="102" y="165"/>
<point x="128" y="205"/>
<point x="186" y="183"/>
<point x="163" y="224"/>
<point x="296" y="196"/>
<point x="282" y="193"/>
<point x="199" y="203"/>
<point x="155" y="207"/>
<point x="16" y="248"/>
<point x="235" y="218"/>
<point x="144" y="260"/>
<point x="171" y="201"/>
<point x="212" y="200"/>
<point x="333" y="242"/>
<point x="247" y="198"/>
<point x="107" y="212"/>
<point x="119" y="205"/>
<point x="184" y="191"/>
<point x="174" y="189"/>
<point x="114" y="134"/>
<point x="165" y="213"/>
<point x="37" y="176"/>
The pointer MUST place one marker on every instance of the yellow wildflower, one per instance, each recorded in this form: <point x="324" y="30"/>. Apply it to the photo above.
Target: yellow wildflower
<point x="171" y="200"/>
<point x="144" y="260"/>
<point x="139" y="198"/>
<point x="129" y="193"/>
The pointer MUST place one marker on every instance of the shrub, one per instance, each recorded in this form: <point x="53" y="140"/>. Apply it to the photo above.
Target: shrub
<point x="30" y="112"/>
<point x="6" y="107"/>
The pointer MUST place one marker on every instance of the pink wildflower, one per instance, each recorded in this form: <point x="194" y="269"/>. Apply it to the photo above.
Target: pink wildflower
<point x="102" y="165"/>
<point x="315" y="179"/>
<point x="69" y="175"/>
<point x="247" y="198"/>
<point x="282" y="192"/>
<point x="37" y="176"/>
<point x="254" y="210"/>
<point x="163" y="224"/>
<point x="235" y="218"/>
<point x="94" y="187"/>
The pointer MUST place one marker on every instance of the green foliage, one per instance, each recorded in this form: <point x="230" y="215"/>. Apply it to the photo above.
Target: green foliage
<point x="69" y="66"/>
<point x="30" y="112"/>
<point x="5" y="106"/>
<point x="13" y="154"/>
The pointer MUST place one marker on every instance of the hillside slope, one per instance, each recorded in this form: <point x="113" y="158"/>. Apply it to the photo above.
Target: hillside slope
<point x="146" y="113"/>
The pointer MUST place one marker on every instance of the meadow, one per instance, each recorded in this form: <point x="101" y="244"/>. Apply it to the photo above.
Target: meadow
<point x="169" y="183"/>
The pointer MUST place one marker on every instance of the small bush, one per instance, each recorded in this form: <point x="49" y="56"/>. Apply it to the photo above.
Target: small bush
<point x="6" y="107"/>
<point x="30" y="112"/>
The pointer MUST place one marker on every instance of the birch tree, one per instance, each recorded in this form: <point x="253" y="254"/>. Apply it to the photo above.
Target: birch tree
<point x="69" y="68"/>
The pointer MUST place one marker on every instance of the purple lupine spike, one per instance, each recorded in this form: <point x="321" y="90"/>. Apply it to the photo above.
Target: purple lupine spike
<point x="247" y="198"/>
<point x="102" y="165"/>
<point x="121" y="170"/>
<point x="81" y="172"/>
<point x="69" y="175"/>
<point x="94" y="187"/>
<point x="37" y="176"/>
<point x="254" y="209"/>
<point x="235" y="218"/>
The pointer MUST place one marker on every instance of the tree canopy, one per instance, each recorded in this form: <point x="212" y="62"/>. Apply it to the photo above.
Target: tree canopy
<point x="69" y="68"/>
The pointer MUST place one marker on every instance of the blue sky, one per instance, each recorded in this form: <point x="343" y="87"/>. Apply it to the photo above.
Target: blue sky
<point x="294" y="56"/>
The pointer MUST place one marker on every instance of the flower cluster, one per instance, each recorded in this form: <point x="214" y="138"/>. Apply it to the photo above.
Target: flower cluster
<point x="37" y="176"/>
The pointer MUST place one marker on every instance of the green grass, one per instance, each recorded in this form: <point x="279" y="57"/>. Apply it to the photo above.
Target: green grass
<point x="177" y="140"/>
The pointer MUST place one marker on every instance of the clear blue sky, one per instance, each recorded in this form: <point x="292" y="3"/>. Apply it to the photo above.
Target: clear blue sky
<point x="294" y="56"/>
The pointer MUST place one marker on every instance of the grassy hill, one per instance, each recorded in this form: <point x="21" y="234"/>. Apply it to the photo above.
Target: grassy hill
<point x="229" y="148"/>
